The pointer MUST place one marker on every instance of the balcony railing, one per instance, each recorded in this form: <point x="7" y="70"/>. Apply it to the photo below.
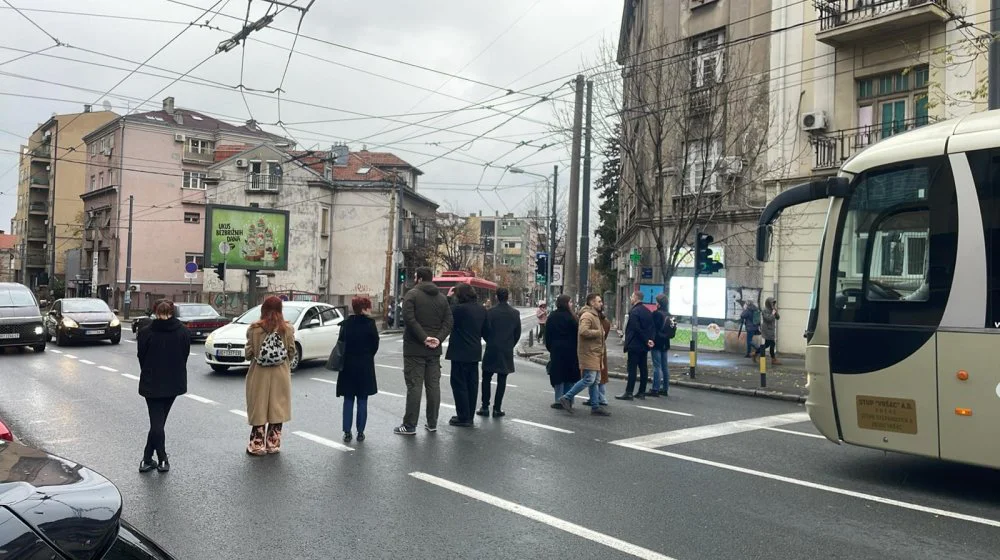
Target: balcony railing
<point x="35" y="260"/>
<point x="203" y="158"/>
<point x="260" y="182"/>
<point x="40" y="181"/>
<point x="38" y="208"/>
<point x="37" y="234"/>
<point x="838" y="13"/>
<point x="834" y="148"/>
<point x="42" y="152"/>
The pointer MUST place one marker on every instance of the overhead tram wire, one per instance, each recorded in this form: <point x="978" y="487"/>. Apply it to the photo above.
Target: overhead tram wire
<point x="57" y="42"/>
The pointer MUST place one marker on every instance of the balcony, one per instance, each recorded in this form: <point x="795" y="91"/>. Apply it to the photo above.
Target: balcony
<point x="847" y="21"/>
<point x="42" y="152"/>
<point x="40" y="181"/>
<point x="834" y="148"/>
<point x="199" y="158"/>
<point x="38" y="208"/>
<point x="260" y="182"/>
<point x="35" y="260"/>
<point x="37" y="234"/>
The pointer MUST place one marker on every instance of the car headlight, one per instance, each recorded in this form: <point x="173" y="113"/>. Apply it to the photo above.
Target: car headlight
<point x="115" y="322"/>
<point x="210" y="341"/>
<point x="69" y="323"/>
<point x="39" y="329"/>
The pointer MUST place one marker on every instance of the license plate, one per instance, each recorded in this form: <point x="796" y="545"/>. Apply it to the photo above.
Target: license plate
<point x="94" y="332"/>
<point x="229" y="353"/>
<point x="10" y="336"/>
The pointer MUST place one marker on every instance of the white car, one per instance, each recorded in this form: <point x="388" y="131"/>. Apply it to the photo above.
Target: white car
<point x="317" y="326"/>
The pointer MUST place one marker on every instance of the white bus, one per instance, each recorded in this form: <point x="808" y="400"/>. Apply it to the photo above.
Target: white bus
<point x="903" y="350"/>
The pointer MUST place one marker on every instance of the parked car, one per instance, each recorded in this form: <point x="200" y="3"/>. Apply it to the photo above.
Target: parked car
<point x="21" y="321"/>
<point x="200" y="318"/>
<point x="78" y="319"/>
<point x="53" y="508"/>
<point x="317" y="326"/>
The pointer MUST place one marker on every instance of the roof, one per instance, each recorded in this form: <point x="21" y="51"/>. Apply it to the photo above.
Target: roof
<point x="230" y="151"/>
<point x="368" y="166"/>
<point x="7" y="241"/>
<point x="193" y="120"/>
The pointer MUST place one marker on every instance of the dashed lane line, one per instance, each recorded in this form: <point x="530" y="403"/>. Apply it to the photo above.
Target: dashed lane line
<point x="106" y="368"/>
<point x="543" y="426"/>
<point x="388" y="367"/>
<point x="795" y="432"/>
<point x="239" y="412"/>
<point x="392" y="394"/>
<point x="664" y="410"/>
<point x="544" y="518"/>
<point x="323" y="441"/>
<point x="323" y="380"/>
<point x="699" y="433"/>
<point x="130" y="376"/>
<point x="54" y="351"/>
<point x="202" y="400"/>
<point x="71" y="356"/>
<point x="88" y="362"/>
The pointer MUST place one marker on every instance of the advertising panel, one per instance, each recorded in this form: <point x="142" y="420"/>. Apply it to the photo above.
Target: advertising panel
<point x="246" y="238"/>
<point x="711" y="297"/>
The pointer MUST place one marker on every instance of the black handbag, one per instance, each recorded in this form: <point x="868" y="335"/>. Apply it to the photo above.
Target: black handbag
<point x="336" y="361"/>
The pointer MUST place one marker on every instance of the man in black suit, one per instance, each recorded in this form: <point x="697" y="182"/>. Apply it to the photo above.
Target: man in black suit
<point x="639" y="340"/>
<point x="465" y="352"/>
<point x="504" y="325"/>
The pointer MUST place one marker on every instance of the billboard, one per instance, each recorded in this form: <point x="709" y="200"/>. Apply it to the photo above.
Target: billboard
<point x="246" y="238"/>
<point x="711" y="297"/>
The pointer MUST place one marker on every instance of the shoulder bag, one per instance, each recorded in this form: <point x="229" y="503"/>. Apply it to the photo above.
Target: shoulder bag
<point x="336" y="360"/>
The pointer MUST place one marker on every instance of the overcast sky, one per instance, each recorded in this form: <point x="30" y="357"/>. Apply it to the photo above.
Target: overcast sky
<point x="529" y="46"/>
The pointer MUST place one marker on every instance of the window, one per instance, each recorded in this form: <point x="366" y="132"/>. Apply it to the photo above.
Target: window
<point x="194" y="180"/>
<point x="363" y="170"/>
<point x="192" y="218"/>
<point x="196" y="258"/>
<point x="707" y="59"/>
<point x="324" y="221"/>
<point x="196" y="146"/>
<point x="702" y="167"/>
<point x="322" y="272"/>
<point x="330" y="317"/>
<point x="892" y="103"/>
<point x="100" y="180"/>
<point x="111" y="176"/>
<point x="93" y="182"/>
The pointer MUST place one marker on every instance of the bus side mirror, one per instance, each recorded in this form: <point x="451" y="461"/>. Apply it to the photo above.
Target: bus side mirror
<point x="764" y="241"/>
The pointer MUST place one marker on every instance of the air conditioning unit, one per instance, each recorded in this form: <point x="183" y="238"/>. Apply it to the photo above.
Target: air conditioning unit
<point x="732" y="165"/>
<point x="241" y="163"/>
<point x="262" y="281"/>
<point x="106" y="152"/>
<point x="178" y="137"/>
<point x="134" y="288"/>
<point x="814" y="121"/>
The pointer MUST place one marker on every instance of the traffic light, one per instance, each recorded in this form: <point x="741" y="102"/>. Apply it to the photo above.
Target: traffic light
<point x="220" y="270"/>
<point x="704" y="263"/>
<point x="542" y="268"/>
<point x="402" y="275"/>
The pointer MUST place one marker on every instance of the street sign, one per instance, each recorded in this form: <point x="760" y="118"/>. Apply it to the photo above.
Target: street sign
<point x="191" y="268"/>
<point x="224" y="248"/>
<point x="191" y="275"/>
<point x="557" y="275"/>
<point x="647" y="273"/>
<point x="397" y="257"/>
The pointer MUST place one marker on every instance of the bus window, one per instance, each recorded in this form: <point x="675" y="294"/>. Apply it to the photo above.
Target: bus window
<point x="985" y="166"/>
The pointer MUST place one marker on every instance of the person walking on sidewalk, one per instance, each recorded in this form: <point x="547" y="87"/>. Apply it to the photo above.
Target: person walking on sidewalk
<point x="666" y="328"/>
<point x="270" y="349"/>
<point x="164" y="348"/>
<point x="428" y="321"/>
<point x="465" y="352"/>
<point x="768" y="329"/>
<point x="750" y="319"/>
<point x="357" y="381"/>
<point x="591" y="352"/>
<point x="639" y="340"/>
<point x="561" y="333"/>
<point x="504" y="332"/>
<point x="542" y="314"/>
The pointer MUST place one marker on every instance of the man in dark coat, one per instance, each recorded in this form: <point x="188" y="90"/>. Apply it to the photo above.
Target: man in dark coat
<point x="639" y="340"/>
<point x="504" y="333"/>
<point x="465" y="351"/>
<point x="428" y="322"/>
<point x="666" y="328"/>
<point x="561" y="332"/>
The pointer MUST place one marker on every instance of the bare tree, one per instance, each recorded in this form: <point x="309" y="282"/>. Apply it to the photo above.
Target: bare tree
<point x="454" y="242"/>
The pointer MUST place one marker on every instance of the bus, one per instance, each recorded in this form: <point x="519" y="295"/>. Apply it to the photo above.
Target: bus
<point x="486" y="291"/>
<point x="903" y="333"/>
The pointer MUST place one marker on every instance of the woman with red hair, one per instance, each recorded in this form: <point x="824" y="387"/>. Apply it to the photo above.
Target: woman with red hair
<point x="270" y="349"/>
<point x="357" y="375"/>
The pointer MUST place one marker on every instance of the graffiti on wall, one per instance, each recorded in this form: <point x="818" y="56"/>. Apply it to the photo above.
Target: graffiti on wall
<point x="736" y="297"/>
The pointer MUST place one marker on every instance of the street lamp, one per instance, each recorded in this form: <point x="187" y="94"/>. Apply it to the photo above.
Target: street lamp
<point x="550" y="206"/>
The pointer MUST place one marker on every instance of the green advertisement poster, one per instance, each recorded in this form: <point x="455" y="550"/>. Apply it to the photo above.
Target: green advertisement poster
<point x="246" y="238"/>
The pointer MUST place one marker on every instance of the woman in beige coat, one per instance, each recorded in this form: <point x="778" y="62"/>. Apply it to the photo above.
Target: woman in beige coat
<point x="269" y="387"/>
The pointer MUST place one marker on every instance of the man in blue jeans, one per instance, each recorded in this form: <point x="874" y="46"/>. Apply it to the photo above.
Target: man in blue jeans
<point x="591" y="351"/>
<point x="666" y="328"/>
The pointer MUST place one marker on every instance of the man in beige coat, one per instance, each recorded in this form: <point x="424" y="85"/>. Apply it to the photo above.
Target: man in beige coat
<point x="591" y="352"/>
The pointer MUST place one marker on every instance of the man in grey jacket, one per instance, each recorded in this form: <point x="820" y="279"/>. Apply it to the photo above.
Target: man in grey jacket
<point x="428" y="322"/>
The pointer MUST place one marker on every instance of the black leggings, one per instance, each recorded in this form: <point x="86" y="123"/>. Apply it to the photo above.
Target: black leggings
<point x="156" y="441"/>
<point x="768" y="343"/>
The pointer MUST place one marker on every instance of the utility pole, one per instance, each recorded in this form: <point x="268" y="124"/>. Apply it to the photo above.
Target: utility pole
<point x="570" y="267"/>
<point x="398" y="257"/>
<point x="387" y="289"/>
<point x="994" y="76"/>
<point x="585" y="228"/>
<point x="693" y="365"/>
<point x="128" y="261"/>
<point x="552" y="236"/>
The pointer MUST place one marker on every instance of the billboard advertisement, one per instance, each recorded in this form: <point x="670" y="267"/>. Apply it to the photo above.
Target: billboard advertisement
<point x="711" y="297"/>
<point x="246" y="238"/>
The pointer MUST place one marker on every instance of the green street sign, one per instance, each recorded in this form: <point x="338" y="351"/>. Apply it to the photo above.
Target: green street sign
<point x="636" y="256"/>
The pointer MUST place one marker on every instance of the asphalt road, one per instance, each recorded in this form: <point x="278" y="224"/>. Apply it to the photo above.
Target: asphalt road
<point x="698" y="475"/>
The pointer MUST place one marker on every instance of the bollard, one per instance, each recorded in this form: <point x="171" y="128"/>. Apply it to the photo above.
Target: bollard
<point x="531" y="338"/>
<point x="693" y="359"/>
<point x="763" y="371"/>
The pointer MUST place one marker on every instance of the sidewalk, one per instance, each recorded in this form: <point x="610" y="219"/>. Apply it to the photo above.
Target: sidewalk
<point x="716" y="371"/>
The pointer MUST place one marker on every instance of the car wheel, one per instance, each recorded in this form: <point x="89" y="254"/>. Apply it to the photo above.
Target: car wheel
<point x="60" y="339"/>
<point x="116" y="339"/>
<point x="39" y="347"/>
<point x="219" y="369"/>
<point x="298" y="358"/>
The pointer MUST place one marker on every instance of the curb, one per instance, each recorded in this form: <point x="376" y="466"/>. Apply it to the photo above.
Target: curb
<point x="760" y="393"/>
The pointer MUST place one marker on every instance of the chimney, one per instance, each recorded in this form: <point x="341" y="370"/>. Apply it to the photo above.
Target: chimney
<point x="87" y="108"/>
<point x="339" y="154"/>
<point x="252" y="124"/>
<point x="168" y="105"/>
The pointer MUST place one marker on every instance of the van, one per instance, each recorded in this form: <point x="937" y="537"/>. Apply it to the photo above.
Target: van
<point x="20" y="318"/>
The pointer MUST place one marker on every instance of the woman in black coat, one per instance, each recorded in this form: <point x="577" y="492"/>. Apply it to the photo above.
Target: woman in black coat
<point x="561" y="331"/>
<point x="357" y="377"/>
<point x="164" y="347"/>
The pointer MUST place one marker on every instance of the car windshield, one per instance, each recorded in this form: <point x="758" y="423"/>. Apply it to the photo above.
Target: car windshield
<point x="84" y="306"/>
<point x="16" y="298"/>
<point x="290" y="313"/>
<point x="196" y="311"/>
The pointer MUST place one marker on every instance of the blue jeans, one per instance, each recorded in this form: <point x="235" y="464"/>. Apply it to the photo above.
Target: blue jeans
<point x="660" y="372"/>
<point x="561" y="389"/>
<point x="751" y="348"/>
<point x="602" y="390"/>
<point x="349" y="412"/>
<point x="589" y="380"/>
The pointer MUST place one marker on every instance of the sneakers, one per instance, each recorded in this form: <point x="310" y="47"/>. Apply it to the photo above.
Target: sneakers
<point x="361" y="436"/>
<point x="430" y="428"/>
<point x="404" y="430"/>
<point x="625" y="397"/>
<point x="556" y="405"/>
<point x="164" y="465"/>
<point x="599" y="412"/>
<point x="347" y="437"/>
<point x="566" y="404"/>
<point x="653" y="393"/>
<point x="146" y="466"/>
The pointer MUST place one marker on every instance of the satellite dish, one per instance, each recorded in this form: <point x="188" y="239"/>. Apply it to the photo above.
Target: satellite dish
<point x="106" y="105"/>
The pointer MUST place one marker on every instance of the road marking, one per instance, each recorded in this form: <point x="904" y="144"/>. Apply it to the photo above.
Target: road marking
<point x="534" y="515"/>
<point x="239" y="412"/>
<point x="200" y="399"/>
<point x="543" y="426"/>
<point x="130" y="376"/>
<point x="130" y="341"/>
<point x="816" y="486"/>
<point x="88" y="362"/>
<point x="795" y="432"/>
<point x="106" y="368"/>
<point x="392" y="394"/>
<point x="664" y="410"/>
<point x="688" y="435"/>
<point x="71" y="356"/>
<point x="54" y="351"/>
<point x="323" y="441"/>
<point x="323" y="380"/>
<point x="194" y="353"/>
<point x="389" y="367"/>
<point x="446" y="405"/>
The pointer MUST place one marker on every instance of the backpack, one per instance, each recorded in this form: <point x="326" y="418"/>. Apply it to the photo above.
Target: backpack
<point x="756" y="317"/>
<point x="272" y="351"/>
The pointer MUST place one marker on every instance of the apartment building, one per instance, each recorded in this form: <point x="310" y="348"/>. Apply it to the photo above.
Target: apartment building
<point x="49" y="210"/>
<point x="854" y="73"/>
<point x="8" y="248"/>
<point x="160" y="159"/>
<point x="503" y="249"/>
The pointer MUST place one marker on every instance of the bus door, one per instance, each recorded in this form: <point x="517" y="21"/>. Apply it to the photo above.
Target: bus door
<point x="892" y="269"/>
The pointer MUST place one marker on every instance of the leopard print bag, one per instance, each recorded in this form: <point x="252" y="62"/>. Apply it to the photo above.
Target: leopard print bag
<point x="272" y="351"/>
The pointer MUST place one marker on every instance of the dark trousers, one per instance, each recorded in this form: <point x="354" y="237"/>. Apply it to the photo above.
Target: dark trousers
<point x="349" y="412"/>
<point x="156" y="440"/>
<point x="464" y="384"/>
<point x="637" y="361"/>
<point x="501" y="389"/>
<point x="420" y="372"/>
<point x="768" y="343"/>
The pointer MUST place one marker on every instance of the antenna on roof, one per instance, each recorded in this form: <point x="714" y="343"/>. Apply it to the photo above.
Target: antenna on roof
<point x="106" y="104"/>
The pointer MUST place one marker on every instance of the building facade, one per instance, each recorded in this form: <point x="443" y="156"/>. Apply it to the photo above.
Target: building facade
<point x="502" y="249"/>
<point x="8" y="249"/>
<point x="49" y="213"/>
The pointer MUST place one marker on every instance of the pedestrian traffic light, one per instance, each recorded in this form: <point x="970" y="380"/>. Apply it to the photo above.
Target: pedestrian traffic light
<point x="402" y="275"/>
<point x="542" y="268"/>
<point x="220" y="270"/>
<point x="704" y="262"/>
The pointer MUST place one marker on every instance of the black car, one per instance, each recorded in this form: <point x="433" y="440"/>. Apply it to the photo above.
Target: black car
<point x="53" y="508"/>
<point x="20" y="318"/>
<point x="200" y="318"/>
<point x="77" y="319"/>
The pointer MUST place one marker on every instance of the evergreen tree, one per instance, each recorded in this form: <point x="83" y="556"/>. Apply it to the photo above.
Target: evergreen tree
<point x="607" y="212"/>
